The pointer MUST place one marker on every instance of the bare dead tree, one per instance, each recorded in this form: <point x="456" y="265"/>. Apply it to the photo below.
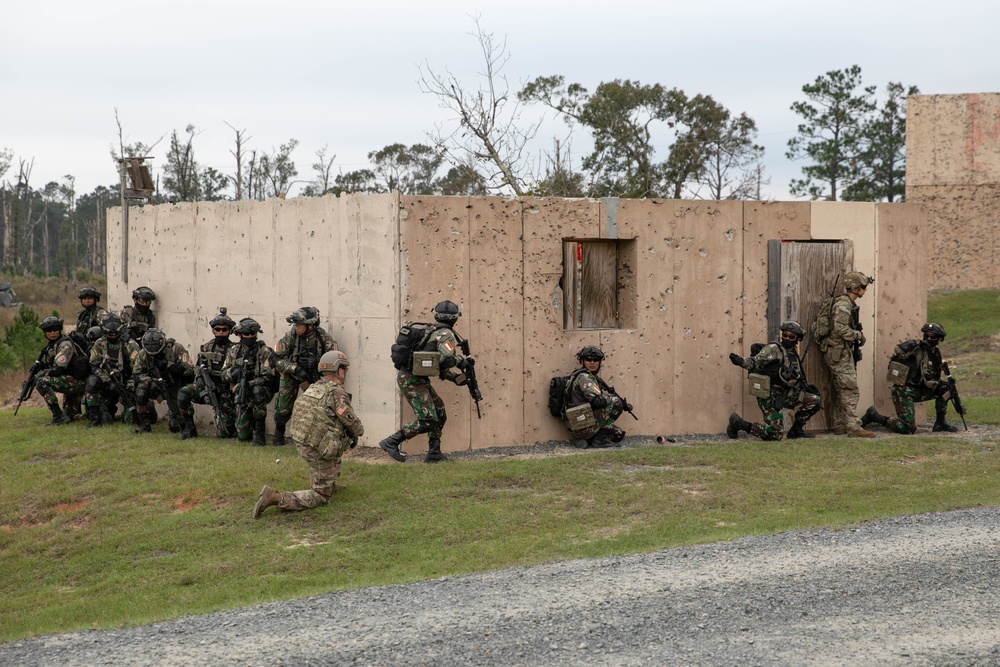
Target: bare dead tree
<point x="238" y="154"/>
<point x="487" y="118"/>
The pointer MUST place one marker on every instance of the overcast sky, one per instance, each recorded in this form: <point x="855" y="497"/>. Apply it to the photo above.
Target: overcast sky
<point x="344" y="75"/>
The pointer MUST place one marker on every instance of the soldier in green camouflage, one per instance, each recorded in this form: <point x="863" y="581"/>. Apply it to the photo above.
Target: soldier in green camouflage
<point x="588" y="387"/>
<point x="789" y="389"/>
<point x="297" y="354"/>
<point x="138" y="317"/>
<point x="65" y="372"/>
<point x="108" y="357"/>
<point x="249" y="370"/>
<point x="92" y="314"/>
<point x="841" y="351"/>
<point x="323" y="427"/>
<point x="211" y="357"/>
<point x="161" y="367"/>
<point x="923" y="383"/>
<point x="428" y="408"/>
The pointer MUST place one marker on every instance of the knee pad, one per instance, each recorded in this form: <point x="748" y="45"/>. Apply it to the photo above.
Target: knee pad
<point x="142" y="395"/>
<point x="261" y="395"/>
<point x="93" y="384"/>
<point x="183" y="399"/>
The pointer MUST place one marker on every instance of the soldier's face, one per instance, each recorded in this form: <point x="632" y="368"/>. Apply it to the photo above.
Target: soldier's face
<point x="221" y="332"/>
<point x="52" y="334"/>
<point x="142" y="302"/>
<point x="300" y="329"/>
<point x="88" y="301"/>
<point x="592" y="365"/>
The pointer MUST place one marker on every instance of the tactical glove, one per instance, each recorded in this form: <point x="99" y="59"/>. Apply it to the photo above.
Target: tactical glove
<point x="56" y="371"/>
<point x="736" y="359"/>
<point x="301" y="374"/>
<point x="466" y="362"/>
<point x="626" y="406"/>
<point x="177" y="368"/>
<point x="599" y="402"/>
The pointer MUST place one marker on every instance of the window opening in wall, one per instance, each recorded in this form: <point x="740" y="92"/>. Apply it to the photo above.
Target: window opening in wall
<point x="598" y="284"/>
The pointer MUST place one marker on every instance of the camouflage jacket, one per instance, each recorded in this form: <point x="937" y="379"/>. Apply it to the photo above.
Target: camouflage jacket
<point x="147" y="366"/>
<point x="324" y="420"/>
<point x="57" y="354"/>
<point x="90" y="317"/>
<point x="259" y="362"/>
<point x="213" y="355"/>
<point x="782" y="365"/>
<point x="107" y="355"/>
<point x="923" y="361"/>
<point x="844" y="323"/>
<point x="292" y="347"/>
<point x="586" y="387"/>
<point x="138" y="320"/>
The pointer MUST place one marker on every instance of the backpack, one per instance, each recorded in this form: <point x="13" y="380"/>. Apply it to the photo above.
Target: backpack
<point x="559" y="388"/>
<point x="79" y="365"/>
<point x="412" y="336"/>
<point x="824" y="321"/>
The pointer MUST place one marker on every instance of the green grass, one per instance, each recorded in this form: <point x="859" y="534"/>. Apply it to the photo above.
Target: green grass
<point x="100" y="528"/>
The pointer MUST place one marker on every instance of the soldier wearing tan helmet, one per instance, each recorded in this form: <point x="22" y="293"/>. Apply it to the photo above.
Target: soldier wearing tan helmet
<point x="323" y="427"/>
<point x="841" y="353"/>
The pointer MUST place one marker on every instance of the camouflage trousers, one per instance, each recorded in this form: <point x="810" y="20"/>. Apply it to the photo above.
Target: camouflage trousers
<point x="428" y="408"/>
<point x="845" y="388"/>
<point x="323" y="473"/>
<point x="903" y="398"/>
<point x="604" y="419"/>
<point x="71" y="389"/>
<point x="772" y="428"/>
<point x="254" y="410"/>
<point x="288" y="391"/>
<point x="101" y="397"/>
<point x="195" y="393"/>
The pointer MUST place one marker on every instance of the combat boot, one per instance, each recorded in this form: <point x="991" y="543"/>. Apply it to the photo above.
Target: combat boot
<point x="860" y="433"/>
<point x="798" y="431"/>
<point x="258" y="433"/>
<point x="941" y="426"/>
<point x="96" y="418"/>
<point x="58" y="416"/>
<point x="279" y="435"/>
<point x="143" y="421"/>
<point x="433" y="451"/>
<point x="737" y="424"/>
<point x="872" y="416"/>
<point x="268" y="498"/>
<point x="188" y="429"/>
<point x="391" y="445"/>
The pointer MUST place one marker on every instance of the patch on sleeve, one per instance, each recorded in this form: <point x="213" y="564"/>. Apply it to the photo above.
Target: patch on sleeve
<point x="346" y="414"/>
<point x="62" y="359"/>
<point x="448" y="346"/>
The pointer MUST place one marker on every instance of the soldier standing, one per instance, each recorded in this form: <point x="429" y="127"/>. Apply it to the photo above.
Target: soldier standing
<point x="841" y="353"/>
<point x="249" y="368"/>
<point x="324" y="426"/>
<point x="789" y="389"/>
<point x="92" y="314"/>
<point x="587" y="387"/>
<point x="211" y="358"/>
<point x="922" y="383"/>
<point x="297" y="355"/>
<point x="161" y="366"/>
<point x="110" y="371"/>
<point x="65" y="372"/>
<point x="428" y="408"/>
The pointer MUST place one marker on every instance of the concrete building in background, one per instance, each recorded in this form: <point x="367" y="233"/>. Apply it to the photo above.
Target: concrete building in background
<point x="667" y="288"/>
<point x="953" y="173"/>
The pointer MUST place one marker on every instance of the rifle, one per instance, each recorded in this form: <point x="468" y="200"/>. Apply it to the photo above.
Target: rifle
<point x="470" y="374"/>
<point x="118" y="382"/>
<point x="165" y="387"/>
<point x="856" y="345"/>
<point x="28" y="385"/>
<point x="201" y="373"/>
<point x="611" y="390"/>
<point x="953" y="394"/>
<point x="242" y="399"/>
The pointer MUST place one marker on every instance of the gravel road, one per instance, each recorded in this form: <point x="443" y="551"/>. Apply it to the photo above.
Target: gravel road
<point x="917" y="590"/>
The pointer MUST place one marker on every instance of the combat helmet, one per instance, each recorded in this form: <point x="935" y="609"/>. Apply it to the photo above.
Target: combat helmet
<point x="153" y="341"/>
<point x="933" y="329"/>
<point x="447" y="312"/>
<point x="112" y="325"/>
<point x="590" y="353"/>
<point x="247" y="326"/>
<point x="89" y="291"/>
<point x="51" y="323"/>
<point x="856" y="279"/>
<point x="222" y="319"/>
<point x="304" y="315"/>
<point x="94" y="333"/>
<point x="794" y="327"/>
<point x="332" y="361"/>
<point x="144" y="293"/>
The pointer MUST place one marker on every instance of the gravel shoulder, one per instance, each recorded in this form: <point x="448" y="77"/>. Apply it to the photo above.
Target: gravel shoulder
<point x="915" y="590"/>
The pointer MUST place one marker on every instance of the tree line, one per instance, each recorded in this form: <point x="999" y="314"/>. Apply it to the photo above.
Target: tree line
<point x="646" y="140"/>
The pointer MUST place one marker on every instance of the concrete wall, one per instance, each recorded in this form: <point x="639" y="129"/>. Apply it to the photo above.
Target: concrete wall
<point x="953" y="172"/>
<point x="372" y="262"/>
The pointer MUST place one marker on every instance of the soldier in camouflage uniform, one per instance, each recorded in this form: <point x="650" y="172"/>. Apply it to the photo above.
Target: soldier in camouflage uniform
<point x="840" y="357"/>
<point x="249" y="369"/>
<point x="65" y="371"/>
<point x="161" y="367"/>
<point x="92" y="314"/>
<point x="588" y="387"/>
<point x="109" y="366"/>
<point x="923" y="383"/>
<point x="323" y="427"/>
<point x="789" y="390"/>
<point x="428" y="408"/>
<point x="138" y="317"/>
<point x="211" y="357"/>
<point x="297" y="354"/>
